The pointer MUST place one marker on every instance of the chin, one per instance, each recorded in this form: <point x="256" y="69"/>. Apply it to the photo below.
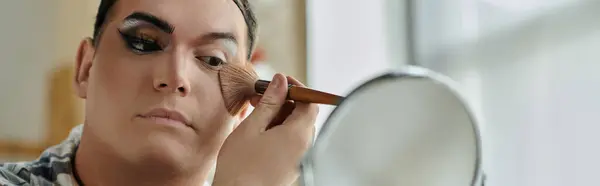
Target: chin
<point x="163" y="150"/>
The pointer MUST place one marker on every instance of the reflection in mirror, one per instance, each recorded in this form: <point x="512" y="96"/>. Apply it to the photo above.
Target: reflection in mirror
<point x="409" y="129"/>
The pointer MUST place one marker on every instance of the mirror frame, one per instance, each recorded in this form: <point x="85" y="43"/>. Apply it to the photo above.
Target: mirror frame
<point x="411" y="72"/>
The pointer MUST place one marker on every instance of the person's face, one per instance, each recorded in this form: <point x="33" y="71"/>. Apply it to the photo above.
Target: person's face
<point x="161" y="54"/>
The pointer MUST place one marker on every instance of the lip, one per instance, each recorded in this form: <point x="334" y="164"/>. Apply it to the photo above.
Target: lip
<point x="166" y="115"/>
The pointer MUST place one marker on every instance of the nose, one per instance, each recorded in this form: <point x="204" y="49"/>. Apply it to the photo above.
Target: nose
<point x="170" y="77"/>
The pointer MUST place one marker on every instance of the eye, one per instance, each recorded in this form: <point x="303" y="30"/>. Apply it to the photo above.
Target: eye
<point x="211" y="60"/>
<point x="141" y="44"/>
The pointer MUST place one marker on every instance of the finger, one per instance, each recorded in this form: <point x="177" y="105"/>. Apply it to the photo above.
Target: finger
<point x="255" y="100"/>
<point x="270" y="103"/>
<point x="301" y="123"/>
<point x="285" y="111"/>
<point x="304" y="116"/>
<point x="294" y="81"/>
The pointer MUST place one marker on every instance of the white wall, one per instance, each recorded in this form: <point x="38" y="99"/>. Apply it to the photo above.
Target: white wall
<point x="350" y="41"/>
<point x="36" y="36"/>
<point x="532" y="70"/>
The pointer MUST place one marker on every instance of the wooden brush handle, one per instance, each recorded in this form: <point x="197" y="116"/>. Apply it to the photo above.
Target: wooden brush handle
<point x="303" y="94"/>
<point x="307" y="95"/>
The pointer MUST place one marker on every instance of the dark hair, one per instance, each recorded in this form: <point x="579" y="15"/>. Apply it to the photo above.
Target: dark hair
<point x="243" y="5"/>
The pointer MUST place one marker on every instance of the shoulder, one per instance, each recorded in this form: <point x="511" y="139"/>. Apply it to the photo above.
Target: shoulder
<point x="13" y="174"/>
<point x="49" y="169"/>
<point x="53" y="167"/>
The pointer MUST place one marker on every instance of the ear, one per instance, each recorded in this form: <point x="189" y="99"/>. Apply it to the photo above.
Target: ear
<point x="83" y="64"/>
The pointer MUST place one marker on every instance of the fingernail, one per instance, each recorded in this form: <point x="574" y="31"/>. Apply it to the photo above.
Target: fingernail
<point x="275" y="82"/>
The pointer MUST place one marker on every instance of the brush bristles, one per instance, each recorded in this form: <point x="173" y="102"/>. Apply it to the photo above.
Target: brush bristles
<point x="237" y="86"/>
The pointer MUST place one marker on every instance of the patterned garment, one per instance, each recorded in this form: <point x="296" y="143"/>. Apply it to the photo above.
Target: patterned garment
<point x="53" y="167"/>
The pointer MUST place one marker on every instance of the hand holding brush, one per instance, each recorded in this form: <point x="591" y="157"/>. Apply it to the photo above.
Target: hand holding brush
<point x="267" y="146"/>
<point x="240" y="83"/>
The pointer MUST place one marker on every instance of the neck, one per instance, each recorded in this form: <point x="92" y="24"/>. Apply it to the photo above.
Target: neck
<point x="95" y="165"/>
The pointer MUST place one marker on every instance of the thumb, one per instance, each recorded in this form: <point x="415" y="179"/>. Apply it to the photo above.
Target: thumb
<point x="270" y="103"/>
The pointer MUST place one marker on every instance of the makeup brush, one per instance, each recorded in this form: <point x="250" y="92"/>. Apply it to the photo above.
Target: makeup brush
<point x="240" y="83"/>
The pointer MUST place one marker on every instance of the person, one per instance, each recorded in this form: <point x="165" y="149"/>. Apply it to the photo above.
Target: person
<point x="154" y="113"/>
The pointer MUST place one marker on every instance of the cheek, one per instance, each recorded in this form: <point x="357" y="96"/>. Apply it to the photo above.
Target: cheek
<point x="207" y="94"/>
<point x="115" y="84"/>
<point x="206" y="89"/>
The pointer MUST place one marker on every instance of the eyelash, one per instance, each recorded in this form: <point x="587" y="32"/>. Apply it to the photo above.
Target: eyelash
<point x="210" y="60"/>
<point x="139" y="45"/>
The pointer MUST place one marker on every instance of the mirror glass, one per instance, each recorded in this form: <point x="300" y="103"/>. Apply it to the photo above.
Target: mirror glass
<point x="407" y="129"/>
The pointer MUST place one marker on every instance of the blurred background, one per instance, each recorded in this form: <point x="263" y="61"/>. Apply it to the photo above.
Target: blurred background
<point x="529" y="68"/>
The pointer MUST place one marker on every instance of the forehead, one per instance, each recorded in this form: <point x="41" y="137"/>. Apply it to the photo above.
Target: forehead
<point x="190" y="18"/>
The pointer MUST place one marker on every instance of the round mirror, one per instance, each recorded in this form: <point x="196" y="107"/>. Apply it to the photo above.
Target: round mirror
<point x="409" y="128"/>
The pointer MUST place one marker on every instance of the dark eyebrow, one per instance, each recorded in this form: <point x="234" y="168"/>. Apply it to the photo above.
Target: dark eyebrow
<point x="158" y="22"/>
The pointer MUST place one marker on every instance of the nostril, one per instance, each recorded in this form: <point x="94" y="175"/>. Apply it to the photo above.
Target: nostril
<point x="181" y="89"/>
<point x="162" y="85"/>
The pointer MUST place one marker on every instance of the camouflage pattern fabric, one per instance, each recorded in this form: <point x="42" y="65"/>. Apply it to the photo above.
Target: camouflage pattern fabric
<point x="52" y="168"/>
